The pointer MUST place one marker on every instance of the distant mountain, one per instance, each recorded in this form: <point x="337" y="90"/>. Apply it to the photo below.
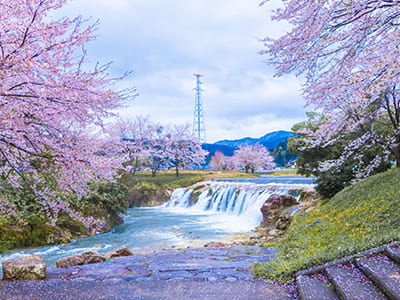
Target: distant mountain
<point x="212" y="148"/>
<point x="275" y="142"/>
<point x="270" y="140"/>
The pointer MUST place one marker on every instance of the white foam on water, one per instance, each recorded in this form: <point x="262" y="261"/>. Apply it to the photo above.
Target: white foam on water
<point x="228" y="206"/>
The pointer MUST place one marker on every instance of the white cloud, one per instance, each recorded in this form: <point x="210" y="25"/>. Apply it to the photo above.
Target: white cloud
<point x="165" y="42"/>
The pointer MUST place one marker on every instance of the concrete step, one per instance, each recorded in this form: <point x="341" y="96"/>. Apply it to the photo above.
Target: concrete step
<point x="351" y="284"/>
<point x="383" y="271"/>
<point x="316" y="286"/>
<point x="393" y="251"/>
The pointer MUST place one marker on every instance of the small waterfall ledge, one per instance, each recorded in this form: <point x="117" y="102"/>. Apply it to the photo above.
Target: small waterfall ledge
<point x="240" y="199"/>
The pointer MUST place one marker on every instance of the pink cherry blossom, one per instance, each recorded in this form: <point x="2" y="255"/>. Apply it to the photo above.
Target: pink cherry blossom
<point x="185" y="150"/>
<point x="51" y="102"/>
<point x="253" y="157"/>
<point x="219" y="161"/>
<point x="348" y="53"/>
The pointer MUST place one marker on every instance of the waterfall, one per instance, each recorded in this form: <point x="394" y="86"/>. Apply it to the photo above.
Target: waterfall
<point x="180" y="198"/>
<point x="240" y="199"/>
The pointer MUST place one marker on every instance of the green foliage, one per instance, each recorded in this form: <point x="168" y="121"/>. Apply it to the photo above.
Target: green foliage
<point x="308" y="161"/>
<point x="360" y="217"/>
<point x="283" y="157"/>
<point x="104" y="196"/>
<point x="146" y="190"/>
<point x="70" y="225"/>
<point x="106" y="200"/>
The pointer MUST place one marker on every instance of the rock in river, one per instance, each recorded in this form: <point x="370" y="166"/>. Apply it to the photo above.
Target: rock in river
<point x="118" y="253"/>
<point x="85" y="258"/>
<point x="28" y="267"/>
<point x="273" y="206"/>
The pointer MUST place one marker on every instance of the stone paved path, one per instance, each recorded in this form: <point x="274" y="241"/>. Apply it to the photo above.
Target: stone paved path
<point x="174" y="290"/>
<point x="197" y="273"/>
<point x="200" y="264"/>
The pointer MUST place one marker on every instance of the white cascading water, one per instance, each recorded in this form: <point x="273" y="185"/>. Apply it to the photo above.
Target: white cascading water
<point x="240" y="201"/>
<point x="224" y="207"/>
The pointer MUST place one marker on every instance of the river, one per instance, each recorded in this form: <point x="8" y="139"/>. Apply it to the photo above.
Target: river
<point x="228" y="207"/>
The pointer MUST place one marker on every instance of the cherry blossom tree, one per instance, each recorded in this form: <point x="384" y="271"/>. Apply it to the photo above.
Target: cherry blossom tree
<point x="141" y="142"/>
<point x="158" y="148"/>
<point x="185" y="150"/>
<point x="252" y="157"/>
<point x="220" y="161"/>
<point x="230" y="163"/>
<point x="130" y="138"/>
<point x="347" y="52"/>
<point x="331" y="181"/>
<point x="49" y="104"/>
<point x="154" y="146"/>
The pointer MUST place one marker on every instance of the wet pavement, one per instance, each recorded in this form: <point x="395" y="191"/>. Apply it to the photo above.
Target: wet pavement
<point x="76" y="289"/>
<point x="195" y="273"/>
<point x="200" y="264"/>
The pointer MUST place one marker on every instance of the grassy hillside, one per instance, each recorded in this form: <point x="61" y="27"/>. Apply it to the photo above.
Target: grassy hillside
<point x="362" y="216"/>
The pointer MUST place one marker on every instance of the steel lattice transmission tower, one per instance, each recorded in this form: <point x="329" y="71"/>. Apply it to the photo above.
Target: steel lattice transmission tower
<point x="199" y="127"/>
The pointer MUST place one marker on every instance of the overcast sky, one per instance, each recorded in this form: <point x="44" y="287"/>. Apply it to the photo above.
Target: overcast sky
<point x="165" y="41"/>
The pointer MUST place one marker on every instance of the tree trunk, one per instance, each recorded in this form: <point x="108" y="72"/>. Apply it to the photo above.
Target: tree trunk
<point x="156" y="166"/>
<point x="135" y="167"/>
<point x="396" y="152"/>
<point x="176" y="171"/>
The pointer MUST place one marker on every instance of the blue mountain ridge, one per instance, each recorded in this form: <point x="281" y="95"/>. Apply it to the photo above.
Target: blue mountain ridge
<point x="270" y="141"/>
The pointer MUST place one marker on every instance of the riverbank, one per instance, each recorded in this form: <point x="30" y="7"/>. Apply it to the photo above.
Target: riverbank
<point x="107" y="201"/>
<point x="215" y="272"/>
<point x="362" y="216"/>
<point x="98" y="212"/>
<point x="226" y="208"/>
<point x="200" y="273"/>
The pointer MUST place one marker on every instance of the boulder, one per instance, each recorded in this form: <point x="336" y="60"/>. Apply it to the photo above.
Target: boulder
<point x="274" y="232"/>
<point x="59" y="236"/>
<point x="118" y="253"/>
<point x="309" y="194"/>
<point x="283" y="222"/>
<point x="85" y="258"/>
<point x="273" y="206"/>
<point x="28" y="267"/>
<point x="214" y="245"/>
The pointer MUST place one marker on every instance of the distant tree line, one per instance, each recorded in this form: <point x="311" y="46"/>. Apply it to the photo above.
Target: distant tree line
<point x="282" y="157"/>
<point x="247" y="157"/>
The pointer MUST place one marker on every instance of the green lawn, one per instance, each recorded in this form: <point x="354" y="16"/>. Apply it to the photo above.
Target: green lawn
<point x="185" y="178"/>
<point x="362" y="216"/>
<point x="169" y="178"/>
<point x="286" y="173"/>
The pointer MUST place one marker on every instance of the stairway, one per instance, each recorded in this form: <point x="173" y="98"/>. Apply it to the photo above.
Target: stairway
<point x="369" y="275"/>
